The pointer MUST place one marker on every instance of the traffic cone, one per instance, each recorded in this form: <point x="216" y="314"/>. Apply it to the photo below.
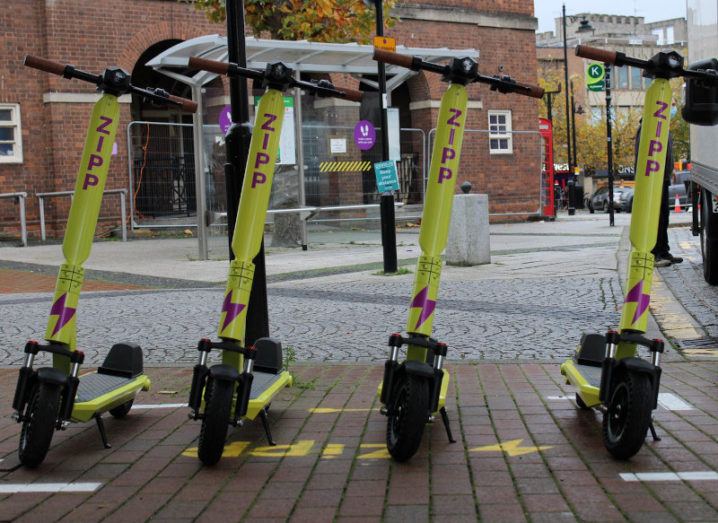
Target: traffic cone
<point x="677" y="207"/>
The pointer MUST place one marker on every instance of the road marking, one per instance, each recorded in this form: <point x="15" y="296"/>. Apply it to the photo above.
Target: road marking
<point x="15" y="488"/>
<point x="160" y="406"/>
<point x="672" y="402"/>
<point x="329" y="410"/>
<point x="512" y="448"/>
<point x="557" y="398"/>
<point x="707" y="475"/>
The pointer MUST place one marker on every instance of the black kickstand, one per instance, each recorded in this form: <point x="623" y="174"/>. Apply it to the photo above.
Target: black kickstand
<point x="445" y="419"/>
<point x="103" y="434"/>
<point x="653" y="432"/>
<point x="265" y="424"/>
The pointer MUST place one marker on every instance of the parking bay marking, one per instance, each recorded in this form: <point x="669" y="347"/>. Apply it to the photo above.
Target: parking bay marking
<point x="160" y="406"/>
<point x="706" y="475"/>
<point x="15" y="488"/>
<point x="666" y="400"/>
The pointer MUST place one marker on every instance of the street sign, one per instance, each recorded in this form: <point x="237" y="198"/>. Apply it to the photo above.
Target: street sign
<point x="364" y="135"/>
<point x="386" y="177"/>
<point x="595" y="76"/>
<point x="385" y="43"/>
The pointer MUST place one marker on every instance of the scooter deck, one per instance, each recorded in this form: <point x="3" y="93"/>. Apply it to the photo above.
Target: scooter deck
<point x="442" y="392"/>
<point x="265" y="386"/>
<point x="98" y="393"/>
<point x="586" y="378"/>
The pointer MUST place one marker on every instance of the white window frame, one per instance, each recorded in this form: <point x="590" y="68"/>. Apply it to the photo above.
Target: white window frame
<point x="505" y="135"/>
<point x="14" y="123"/>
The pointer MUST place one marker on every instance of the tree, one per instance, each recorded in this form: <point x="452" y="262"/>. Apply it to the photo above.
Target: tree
<point x="318" y="21"/>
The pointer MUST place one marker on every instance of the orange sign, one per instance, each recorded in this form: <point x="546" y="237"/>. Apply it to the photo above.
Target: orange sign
<point x="385" y="43"/>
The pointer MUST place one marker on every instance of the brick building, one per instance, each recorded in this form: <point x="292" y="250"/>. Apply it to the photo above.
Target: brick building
<point x="47" y="114"/>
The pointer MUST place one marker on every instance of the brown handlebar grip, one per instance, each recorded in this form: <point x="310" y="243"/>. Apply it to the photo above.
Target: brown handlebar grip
<point x="351" y="94"/>
<point x="593" y="53"/>
<point x="388" y="57"/>
<point x="208" y="65"/>
<point x="533" y="91"/>
<point x="44" y="65"/>
<point x="184" y="103"/>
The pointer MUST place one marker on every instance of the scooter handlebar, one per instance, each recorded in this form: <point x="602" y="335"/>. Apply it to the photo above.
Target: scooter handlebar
<point x="351" y="94"/>
<point x="388" y="57"/>
<point x="593" y="53"/>
<point x="184" y="103"/>
<point x="212" y="66"/>
<point x="45" y="65"/>
<point x="534" y="91"/>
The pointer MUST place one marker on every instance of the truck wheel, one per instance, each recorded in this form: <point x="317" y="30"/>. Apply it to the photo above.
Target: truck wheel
<point x="627" y="415"/>
<point x="709" y="238"/>
<point x="39" y="424"/>
<point x="218" y="403"/>
<point x="408" y="413"/>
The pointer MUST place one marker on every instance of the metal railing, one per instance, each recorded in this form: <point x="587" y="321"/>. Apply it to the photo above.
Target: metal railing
<point x="123" y="207"/>
<point x="21" y="197"/>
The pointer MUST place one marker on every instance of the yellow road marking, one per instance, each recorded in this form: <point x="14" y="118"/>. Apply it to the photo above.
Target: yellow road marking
<point x="512" y="448"/>
<point x="330" y="410"/>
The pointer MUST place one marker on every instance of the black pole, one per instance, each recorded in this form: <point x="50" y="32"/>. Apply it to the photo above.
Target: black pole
<point x="386" y="205"/>
<point x="609" y="145"/>
<point x="549" y="107"/>
<point x="237" y="146"/>
<point x="565" y="77"/>
<point x="574" y="162"/>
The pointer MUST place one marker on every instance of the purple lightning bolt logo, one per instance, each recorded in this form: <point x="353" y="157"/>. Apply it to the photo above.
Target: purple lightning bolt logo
<point x="635" y="295"/>
<point x="427" y="306"/>
<point x="231" y="310"/>
<point x="64" y="314"/>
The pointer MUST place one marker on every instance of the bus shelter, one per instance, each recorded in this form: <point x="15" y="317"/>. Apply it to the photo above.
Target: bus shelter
<point x="303" y="57"/>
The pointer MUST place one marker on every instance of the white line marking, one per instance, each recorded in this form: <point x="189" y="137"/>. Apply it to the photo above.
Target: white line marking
<point x="672" y="402"/>
<point x="160" y="406"/>
<point x="14" y="488"/>
<point x="555" y="398"/>
<point x="670" y="476"/>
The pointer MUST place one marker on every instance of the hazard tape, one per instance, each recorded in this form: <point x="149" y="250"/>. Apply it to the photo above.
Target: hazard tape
<point x="326" y="167"/>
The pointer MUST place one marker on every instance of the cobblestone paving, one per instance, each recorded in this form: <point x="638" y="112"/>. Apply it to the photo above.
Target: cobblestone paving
<point x="686" y="282"/>
<point x="522" y="306"/>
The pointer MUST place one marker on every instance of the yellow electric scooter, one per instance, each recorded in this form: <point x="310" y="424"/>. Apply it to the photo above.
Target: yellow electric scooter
<point x="49" y="398"/>
<point x="414" y="390"/>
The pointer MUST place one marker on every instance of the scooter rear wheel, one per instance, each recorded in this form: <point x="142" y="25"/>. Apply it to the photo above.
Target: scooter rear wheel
<point x="628" y="415"/>
<point x="123" y="410"/>
<point x="218" y="403"/>
<point x="39" y="425"/>
<point x="408" y="413"/>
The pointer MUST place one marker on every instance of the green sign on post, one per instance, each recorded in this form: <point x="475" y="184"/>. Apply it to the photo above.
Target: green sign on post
<point x="386" y="178"/>
<point x="595" y="76"/>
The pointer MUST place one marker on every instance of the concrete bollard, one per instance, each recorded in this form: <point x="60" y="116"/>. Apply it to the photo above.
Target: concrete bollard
<point x="469" y="242"/>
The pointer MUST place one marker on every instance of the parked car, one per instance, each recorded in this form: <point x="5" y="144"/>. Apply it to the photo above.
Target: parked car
<point x="677" y="189"/>
<point x="627" y="199"/>
<point x="599" y="199"/>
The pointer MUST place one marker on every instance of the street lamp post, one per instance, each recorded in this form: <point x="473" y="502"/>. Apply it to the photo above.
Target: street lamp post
<point x="386" y="202"/>
<point x="565" y="77"/>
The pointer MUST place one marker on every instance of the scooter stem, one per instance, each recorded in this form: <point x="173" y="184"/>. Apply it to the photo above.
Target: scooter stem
<point x="650" y="169"/>
<point x="252" y="211"/>
<point x="82" y="221"/>
<point x="436" y="216"/>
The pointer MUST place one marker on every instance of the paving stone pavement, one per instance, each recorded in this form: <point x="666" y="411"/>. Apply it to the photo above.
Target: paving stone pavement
<point x="524" y="305"/>
<point x="525" y="453"/>
<point x="686" y="282"/>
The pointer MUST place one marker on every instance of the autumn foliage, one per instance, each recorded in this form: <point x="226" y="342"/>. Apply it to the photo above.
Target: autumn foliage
<point x="317" y="21"/>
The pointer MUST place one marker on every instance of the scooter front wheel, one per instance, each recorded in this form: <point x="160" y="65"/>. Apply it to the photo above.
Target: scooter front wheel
<point x="628" y="415"/>
<point x="218" y="403"/>
<point x="122" y="411"/>
<point x="408" y="413"/>
<point x="39" y="424"/>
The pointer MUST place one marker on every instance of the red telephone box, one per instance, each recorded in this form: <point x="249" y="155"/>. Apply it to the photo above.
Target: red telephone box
<point x="548" y="204"/>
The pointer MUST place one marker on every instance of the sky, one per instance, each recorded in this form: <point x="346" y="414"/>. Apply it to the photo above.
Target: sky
<point x="651" y="10"/>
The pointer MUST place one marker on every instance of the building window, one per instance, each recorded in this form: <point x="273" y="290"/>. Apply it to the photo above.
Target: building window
<point x="670" y="36"/>
<point x="659" y="33"/>
<point x="500" y="132"/>
<point x="622" y="82"/>
<point x="596" y="114"/>
<point x="10" y="134"/>
<point x="636" y="78"/>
